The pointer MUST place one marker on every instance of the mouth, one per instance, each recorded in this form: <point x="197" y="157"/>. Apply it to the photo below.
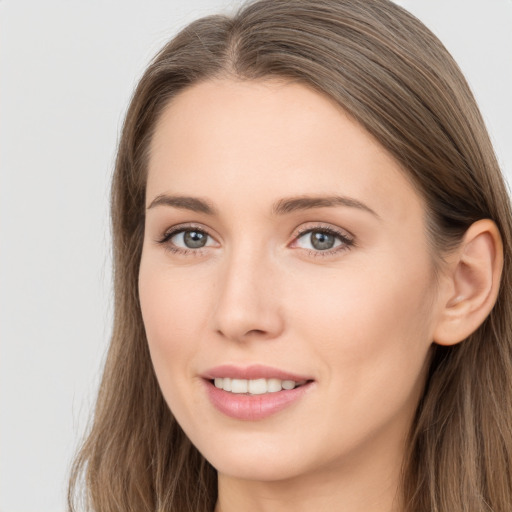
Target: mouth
<point x="255" y="392"/>
<point x="256" y="386"/>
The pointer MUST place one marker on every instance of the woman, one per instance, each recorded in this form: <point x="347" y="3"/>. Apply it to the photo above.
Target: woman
<point x="312" y="275"/>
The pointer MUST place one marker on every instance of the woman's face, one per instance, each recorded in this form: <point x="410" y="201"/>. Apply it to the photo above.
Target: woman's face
<point x="284" y="247"/>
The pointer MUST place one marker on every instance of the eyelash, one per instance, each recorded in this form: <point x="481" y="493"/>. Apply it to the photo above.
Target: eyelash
<point x="347" y="242"/>
<point x="165" y="240"/>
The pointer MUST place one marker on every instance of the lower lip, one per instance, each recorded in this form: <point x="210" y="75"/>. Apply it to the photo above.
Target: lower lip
<point x="254" y="407"/>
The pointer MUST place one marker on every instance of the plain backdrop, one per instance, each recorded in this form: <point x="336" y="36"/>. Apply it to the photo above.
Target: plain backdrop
<point x="67" y="70"/>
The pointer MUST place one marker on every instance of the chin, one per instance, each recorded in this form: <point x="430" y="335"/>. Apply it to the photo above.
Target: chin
<point x="256" y="469"/>
<point x="257" y="456"/>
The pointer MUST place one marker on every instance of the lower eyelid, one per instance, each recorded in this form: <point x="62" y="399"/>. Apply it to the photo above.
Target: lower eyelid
<point x="335" y="251"/>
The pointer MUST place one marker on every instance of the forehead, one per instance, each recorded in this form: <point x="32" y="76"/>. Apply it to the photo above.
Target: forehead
<point x="243" y="142"/>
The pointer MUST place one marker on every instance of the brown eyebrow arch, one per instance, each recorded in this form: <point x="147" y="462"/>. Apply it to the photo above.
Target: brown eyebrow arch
<point x="281" y="207"/>
<point x="289" y="205"/>
<point x="194" y="204"/>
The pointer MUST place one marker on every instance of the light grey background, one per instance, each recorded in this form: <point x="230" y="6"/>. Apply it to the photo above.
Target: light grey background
<point x="67" y="70"/>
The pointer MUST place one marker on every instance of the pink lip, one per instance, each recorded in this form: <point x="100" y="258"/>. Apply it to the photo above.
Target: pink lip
<point x="253" y="407"/>
<point x="255" y="371"/>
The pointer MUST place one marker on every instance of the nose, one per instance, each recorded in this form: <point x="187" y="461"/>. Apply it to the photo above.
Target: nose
<point x="248" y="300"/>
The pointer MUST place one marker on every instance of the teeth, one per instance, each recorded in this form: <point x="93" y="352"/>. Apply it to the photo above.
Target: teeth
<point x="239" y="386"/>
<point x="255" y="386"/>
<point x="273" y="385"/>
<point x="288" y="384"/>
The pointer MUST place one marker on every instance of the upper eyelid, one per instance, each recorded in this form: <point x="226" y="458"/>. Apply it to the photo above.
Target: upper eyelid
<point x="297" y="231"/>
<point x="179" y="228"/>
<point x="324" y="227"/>
<point x="344" y="239"/>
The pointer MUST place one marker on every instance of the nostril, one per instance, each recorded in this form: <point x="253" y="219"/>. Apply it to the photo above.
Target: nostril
<point x="255" y="331"/>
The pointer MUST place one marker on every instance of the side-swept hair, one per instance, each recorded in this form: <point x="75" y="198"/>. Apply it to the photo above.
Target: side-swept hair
<point x="392" y="75"/>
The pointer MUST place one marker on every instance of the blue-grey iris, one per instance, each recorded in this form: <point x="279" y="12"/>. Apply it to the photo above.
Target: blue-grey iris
<point x="322" y="241"/>
<point x="195" y="239"/>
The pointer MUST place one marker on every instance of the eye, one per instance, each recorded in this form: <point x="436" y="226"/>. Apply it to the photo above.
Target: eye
<point x="322" y="240"/>
<point x="190" y="239"/>
<point x="187" y="239"/>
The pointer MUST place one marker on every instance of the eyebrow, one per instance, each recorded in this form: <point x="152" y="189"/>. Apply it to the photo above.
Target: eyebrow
<point x="194" y="204"/>
<point x="281" y="207"/>
<point x="288" y="205"/>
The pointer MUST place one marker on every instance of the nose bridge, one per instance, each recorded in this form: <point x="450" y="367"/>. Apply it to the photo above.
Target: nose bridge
<point x="248" y="298"/>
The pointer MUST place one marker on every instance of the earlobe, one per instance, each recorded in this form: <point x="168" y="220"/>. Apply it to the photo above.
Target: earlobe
<point x="472" y="283"/>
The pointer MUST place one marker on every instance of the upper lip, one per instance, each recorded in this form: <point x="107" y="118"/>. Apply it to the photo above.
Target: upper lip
<point x="254" y="371"/>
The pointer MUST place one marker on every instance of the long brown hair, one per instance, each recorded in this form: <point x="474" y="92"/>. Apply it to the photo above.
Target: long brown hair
<point x="394" y="76"/>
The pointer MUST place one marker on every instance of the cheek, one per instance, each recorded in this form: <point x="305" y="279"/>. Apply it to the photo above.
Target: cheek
<point x="369" y="324"/>
<point x="369" y="336"/>
<point x="174" y="309"/>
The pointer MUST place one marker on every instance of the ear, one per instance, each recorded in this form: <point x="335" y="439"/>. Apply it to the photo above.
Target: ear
<point x="471" y="283"/>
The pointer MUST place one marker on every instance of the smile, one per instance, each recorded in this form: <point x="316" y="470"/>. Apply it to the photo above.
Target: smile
<point x="255" y="386"/>
<point x="255" y="392"/>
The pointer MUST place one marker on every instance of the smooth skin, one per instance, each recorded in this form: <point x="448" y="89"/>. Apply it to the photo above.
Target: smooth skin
<point x="359" y="317"/>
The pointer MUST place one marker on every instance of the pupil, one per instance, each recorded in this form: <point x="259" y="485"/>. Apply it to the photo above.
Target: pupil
<point x="321" y="240"/>
<point x="194" y="239"/>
